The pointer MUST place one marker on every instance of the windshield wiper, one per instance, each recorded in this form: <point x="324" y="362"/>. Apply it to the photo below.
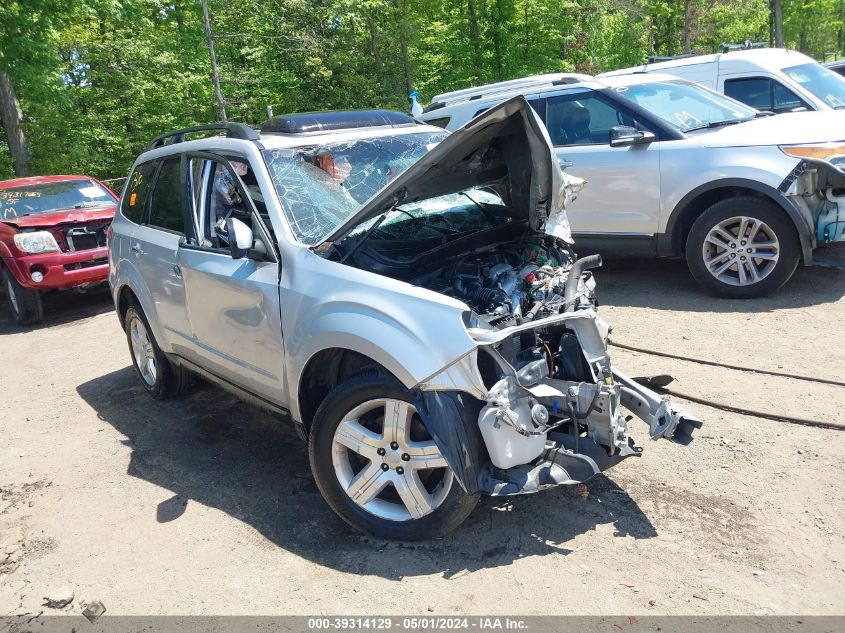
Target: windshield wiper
<point x="89" y="204"/>
<point x="491" y="217"/>
<point x="366" y="235"/>
<point x="713" y="124"/>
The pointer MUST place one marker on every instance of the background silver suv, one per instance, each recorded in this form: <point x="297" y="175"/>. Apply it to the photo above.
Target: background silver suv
<point x="676" y="169"/>
<point x="409" y="299"/>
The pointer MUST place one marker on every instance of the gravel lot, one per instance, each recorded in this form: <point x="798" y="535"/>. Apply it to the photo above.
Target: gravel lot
<point x="203" y="505"/>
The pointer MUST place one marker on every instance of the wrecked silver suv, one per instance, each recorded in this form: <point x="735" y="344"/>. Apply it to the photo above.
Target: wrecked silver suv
<point x="410" y="299"/>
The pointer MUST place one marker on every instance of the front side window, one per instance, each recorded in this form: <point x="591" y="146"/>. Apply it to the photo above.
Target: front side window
<point x="167" y="203"/>
<point x="820" y="81"/>
<point x="764" y="93"/>
<point x="685" y="105"/>
<point x="66" y="195"/>
<point x="322" y="186"/>
<point x="137" y="189"/>
<point x="221" y="191"/>
<point x="582" y="120"/>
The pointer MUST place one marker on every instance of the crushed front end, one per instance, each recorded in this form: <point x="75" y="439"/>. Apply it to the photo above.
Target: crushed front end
<point x="552" y="412"/>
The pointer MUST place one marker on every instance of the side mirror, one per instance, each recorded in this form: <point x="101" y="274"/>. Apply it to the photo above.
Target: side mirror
<point x="240" y="238"/>
<point x="625" y="135"/>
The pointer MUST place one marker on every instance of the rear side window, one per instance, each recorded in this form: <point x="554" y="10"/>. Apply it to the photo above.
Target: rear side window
<point x="167" y="204"/>
<point x="137" y="188"/>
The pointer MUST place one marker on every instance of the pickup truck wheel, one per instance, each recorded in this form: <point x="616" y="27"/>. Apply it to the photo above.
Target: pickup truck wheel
<point x="161" y="378"/>
<point x="377" y="466"/>
<point x="24" y="304"/>
<point x="743" y="247"/>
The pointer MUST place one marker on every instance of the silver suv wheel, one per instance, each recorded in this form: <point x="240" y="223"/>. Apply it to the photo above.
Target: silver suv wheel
<point x="385" y="472"/>
<point x="143" y="351"/>
<point x="741" y="251"/>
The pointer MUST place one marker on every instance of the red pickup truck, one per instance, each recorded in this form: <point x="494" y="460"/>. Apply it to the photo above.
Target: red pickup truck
<point x="52" y="237"/>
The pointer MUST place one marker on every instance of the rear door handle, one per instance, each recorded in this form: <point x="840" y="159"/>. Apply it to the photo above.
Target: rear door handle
<point x="177" y="270"/>
<point x="136" y="248"/>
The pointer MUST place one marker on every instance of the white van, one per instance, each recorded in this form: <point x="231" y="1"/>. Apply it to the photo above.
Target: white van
<point x="773" y="79"/>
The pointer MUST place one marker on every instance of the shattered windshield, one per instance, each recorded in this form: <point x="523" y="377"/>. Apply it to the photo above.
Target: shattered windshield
<point x="439" y="217"/>
<point x="322" y="186"/>
<point x="16" y="202"/>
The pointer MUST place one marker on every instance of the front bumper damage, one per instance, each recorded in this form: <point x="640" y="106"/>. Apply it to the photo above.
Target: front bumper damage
<point x="815" y="188"/>
<point x="530" y="431"/>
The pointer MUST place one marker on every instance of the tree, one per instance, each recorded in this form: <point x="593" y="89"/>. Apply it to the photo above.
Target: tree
<point x="777" y="21"/>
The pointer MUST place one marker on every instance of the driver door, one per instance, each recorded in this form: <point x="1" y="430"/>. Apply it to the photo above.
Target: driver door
<point x="622" y="195"/>
<point x="232" y="304"/>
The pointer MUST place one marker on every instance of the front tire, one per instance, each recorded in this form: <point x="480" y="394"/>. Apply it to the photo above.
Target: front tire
<point x="743" y="247"/>
<point x="377" y="466"/>
<point x="24" y="304"/>
<point x="161" y="378"/>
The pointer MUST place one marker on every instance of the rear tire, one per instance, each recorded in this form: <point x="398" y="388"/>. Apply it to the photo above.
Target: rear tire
<point x="382" y="473"/>
<point x="161" y="378"/>
<point x="742" y="247"/>
<point x="24" y="304"/>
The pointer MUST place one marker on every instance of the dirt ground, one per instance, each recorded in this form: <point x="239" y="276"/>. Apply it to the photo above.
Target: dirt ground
<point x="203" y="505"/>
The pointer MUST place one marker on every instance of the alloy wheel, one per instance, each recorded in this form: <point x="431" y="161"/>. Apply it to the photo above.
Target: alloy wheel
<point x="741" y="251"/>
<point x="387" y="462"/>
<point x="142" y="349"/>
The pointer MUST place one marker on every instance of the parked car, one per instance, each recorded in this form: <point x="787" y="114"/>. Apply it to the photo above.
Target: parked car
<point x="770" y="79"/>
<point x="410" y="299"/>
<point x="837" y="66"/>
<point x="680" y="170"/>
<point x="52" y="237"/>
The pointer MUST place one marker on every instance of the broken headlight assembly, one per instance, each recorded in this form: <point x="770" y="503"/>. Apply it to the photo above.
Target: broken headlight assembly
<point x="36" y="242"/>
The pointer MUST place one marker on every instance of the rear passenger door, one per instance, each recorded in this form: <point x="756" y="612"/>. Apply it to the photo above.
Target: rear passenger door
<point x="233" y="304"/>
<point x="622" y="196"/>
<point x="154" y="247"/>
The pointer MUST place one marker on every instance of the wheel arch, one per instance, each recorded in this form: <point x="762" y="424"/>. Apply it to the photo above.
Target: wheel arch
<point x="323" y="371"/>
<point x="673" y="240"/>
<point x="125" y="297"/>
<point x="127" y="294"/>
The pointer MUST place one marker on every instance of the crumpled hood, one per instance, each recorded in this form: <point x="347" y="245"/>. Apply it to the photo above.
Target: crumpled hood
<point x="506" y="148"/>
<point x="783" y="129"/>
<point x="66" y="216"/>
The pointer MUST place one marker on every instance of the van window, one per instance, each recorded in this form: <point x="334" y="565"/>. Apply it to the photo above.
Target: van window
<point x="167" y="204"/>
<point x="137" y="188"/>
<point x="764" y="93"/>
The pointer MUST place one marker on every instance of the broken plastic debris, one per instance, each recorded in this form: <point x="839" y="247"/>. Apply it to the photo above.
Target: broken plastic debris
<point x="93" y="611"/>
<point x="58" y="599"/>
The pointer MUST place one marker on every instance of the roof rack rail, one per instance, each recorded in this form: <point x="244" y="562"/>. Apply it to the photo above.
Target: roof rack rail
<point x="656" y="59"/>
<point x="334" y="120"/>
<point x="746" y="45"/>
<point x="479" y="92"/>
<point x="233" y="130"/>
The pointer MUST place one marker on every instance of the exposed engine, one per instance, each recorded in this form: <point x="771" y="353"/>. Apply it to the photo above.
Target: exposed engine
<point x="509" y="284"/>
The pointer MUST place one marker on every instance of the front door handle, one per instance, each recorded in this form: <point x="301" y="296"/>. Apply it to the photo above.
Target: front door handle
<point x="136" y="248"/>
<point x="177" y="271"/>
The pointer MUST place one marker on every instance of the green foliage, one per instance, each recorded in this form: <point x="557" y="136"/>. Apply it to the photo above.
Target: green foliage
<point x="97" y="79"/>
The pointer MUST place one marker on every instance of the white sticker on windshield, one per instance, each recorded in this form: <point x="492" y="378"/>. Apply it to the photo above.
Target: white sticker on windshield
<point x="92" y="192"/>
